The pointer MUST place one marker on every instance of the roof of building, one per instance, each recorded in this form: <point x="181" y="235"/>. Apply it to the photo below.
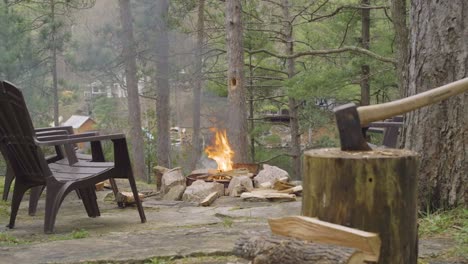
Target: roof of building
<point x="76" y="121"/>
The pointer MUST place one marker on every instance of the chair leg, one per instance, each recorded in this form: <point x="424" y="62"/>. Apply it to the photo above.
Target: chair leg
<point x="34" y="199"/>
<point x="56" y="192"/>
<point x="89" y="199"/>
<point x="18" y="194"/>
<point x="9" y="176"/>
<point x="131" y="180"/>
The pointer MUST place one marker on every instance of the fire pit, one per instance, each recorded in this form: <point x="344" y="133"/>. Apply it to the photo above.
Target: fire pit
<point x="224" y="177"/>
<point x="221" y="152"/>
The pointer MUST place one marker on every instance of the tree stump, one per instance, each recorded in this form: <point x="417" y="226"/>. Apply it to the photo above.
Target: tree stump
<point x="374" y="191"/>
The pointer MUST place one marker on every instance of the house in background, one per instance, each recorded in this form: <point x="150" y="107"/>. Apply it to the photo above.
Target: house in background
<point x="80" y="124"/>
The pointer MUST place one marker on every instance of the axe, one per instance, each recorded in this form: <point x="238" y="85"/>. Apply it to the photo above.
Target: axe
<point x="350" y="119"/>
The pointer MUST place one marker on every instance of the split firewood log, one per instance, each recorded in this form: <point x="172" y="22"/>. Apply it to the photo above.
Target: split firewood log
<point x="315" y="230"/>
<point x="271" y="249"/>
<point x="209" y="199"/>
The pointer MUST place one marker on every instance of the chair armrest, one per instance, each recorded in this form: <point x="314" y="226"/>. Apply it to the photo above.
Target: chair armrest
<point x="63" y="128"/>
<point x="65" y="139"/>
<point x="59" y="136"/>
<point x="51" y="133"/>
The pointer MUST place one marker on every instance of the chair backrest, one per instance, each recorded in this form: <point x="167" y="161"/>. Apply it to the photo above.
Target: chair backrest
<point x="390" y="137"/>
<point x="17" y="137"/>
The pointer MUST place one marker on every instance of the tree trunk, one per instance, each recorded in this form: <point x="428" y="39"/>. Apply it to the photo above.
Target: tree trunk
<point x="365" y="39"/>
<point x="374" y="191"/>
<point x="237" y="115"/>
<point x="251" y="108"/>
<point x="54" y="64"/>
<point x="162" y="83"/>
<point x="439" y="55"/>
<point x="198" y="85"/>
<point x="292" y="103"/>
<point x="399" y="14"/>
<point x="134" y="112"/>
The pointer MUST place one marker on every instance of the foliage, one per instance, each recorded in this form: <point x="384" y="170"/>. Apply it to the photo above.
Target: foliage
<point x="452" y="223"/>
<point x="6" y="239"/>
<point x="79" y="233"/>
<point x="93" y="51"/>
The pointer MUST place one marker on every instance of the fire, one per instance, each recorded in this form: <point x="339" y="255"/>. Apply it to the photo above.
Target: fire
<point x="220" y="151"/>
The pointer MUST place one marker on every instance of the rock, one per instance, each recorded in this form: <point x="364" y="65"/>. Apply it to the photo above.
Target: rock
<point x="158" y="172"/>
<point x="269" y="174"/>
<point x="200" y="189"/>
<point x="172" y="178"/>
<point x="265" y="185"/>
<point x="238" y="185"/>
<point x="175" y="193"/>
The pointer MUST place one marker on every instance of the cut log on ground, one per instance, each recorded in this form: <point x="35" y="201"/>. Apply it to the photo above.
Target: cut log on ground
<point x="374" y="191"/>
<point x="270" y="249"/>
<point x="314" y="230"/>
<point x="209" y="199"/>
<point x="127" y="198"/>
<point x="282" y="184"/>
<point x="100" y="186"/>
<point x="295" y="190"/>
<point x="270" y="196"/>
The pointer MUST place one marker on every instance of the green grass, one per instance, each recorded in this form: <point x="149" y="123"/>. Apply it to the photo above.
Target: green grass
<point x="228" y="222"/>
<point x="4" y="208"/>
<point x="79" y="233"/>
<point x="158" y="260"/>
<point x="6" y="239"/>
<point x="452" y="223"/>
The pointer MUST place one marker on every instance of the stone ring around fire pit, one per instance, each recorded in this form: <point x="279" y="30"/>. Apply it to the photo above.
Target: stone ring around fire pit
<point x="224" y="177"/>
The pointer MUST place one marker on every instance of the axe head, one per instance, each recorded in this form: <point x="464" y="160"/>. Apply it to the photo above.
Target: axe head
<point x="349" y="127"/>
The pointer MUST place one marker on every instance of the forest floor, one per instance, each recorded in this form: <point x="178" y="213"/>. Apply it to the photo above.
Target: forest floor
<point x="180" y="232"/>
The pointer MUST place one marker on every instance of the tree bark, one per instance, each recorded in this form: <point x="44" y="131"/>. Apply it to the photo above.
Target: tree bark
<point x="162" y="82"/>
<point x="237" y="115"/>
<point x="251" y="109"/>
<point x="133" y="97"/>
<point x="399" y="14"/>
<point x="292" y="102"/>
<point x="365" y="43"/>
<point x="54" y="64"/>
<point x="374" y="191"/>
<point x="439" y="55"/>
<point x="198" y="85"/>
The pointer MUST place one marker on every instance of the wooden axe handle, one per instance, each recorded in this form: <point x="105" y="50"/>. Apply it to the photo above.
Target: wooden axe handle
<point x="377" y="112"/>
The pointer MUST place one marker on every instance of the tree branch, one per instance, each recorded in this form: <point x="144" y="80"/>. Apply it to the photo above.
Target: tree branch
<point x="328" y="51"/>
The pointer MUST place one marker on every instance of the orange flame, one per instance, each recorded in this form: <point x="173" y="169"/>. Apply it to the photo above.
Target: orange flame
<point x="220" y="151"/>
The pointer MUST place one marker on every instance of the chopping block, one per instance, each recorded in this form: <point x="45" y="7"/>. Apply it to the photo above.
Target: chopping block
<point x="374" y="191"/>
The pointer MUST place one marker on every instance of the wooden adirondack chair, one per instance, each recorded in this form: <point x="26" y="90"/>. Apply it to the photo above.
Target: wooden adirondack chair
<point x="25" y="158"/>
<point x="47" y="132"/>
<point x="71" y="157"/>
